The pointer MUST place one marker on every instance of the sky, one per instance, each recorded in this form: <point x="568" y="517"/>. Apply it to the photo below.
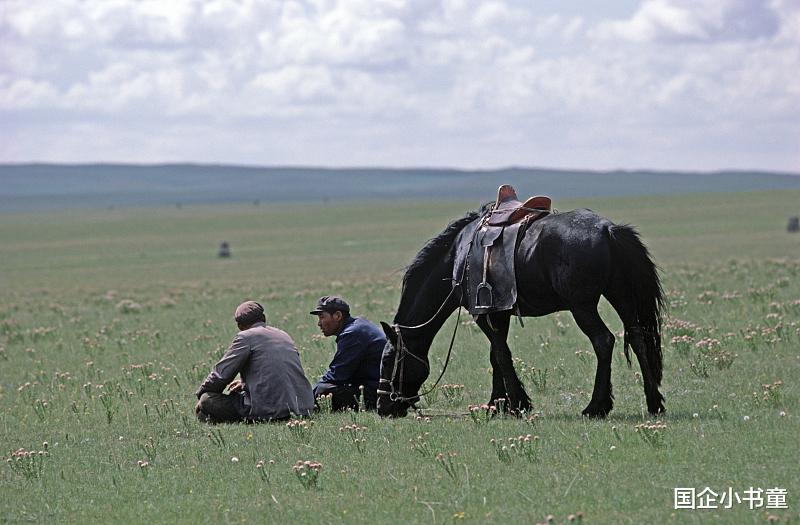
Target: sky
<point x="629" y="84"/>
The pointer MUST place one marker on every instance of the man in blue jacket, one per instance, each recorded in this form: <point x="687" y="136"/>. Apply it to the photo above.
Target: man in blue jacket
<point x="357" y="361"/>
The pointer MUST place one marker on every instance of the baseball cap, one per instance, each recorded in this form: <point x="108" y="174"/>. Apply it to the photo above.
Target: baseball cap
<point x="248" y="312"/>
<point x="330" y="304"/>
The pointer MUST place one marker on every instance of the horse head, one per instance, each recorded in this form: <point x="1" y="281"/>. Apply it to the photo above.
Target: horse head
<point x="427" y="297"/>
<point x="402" y="373"/>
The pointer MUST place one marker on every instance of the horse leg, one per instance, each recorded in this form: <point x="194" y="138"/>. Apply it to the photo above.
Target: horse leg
<point x="504" y="377"/>
<point x="602" y="339"/>
<point x="655" y="401"/>
<point x="498" y="385"/>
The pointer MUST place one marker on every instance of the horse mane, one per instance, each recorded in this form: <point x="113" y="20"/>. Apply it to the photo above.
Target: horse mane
<point x="437" y="247"/>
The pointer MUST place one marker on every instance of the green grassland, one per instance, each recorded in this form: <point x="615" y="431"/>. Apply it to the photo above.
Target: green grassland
<point x="110" y="319"/>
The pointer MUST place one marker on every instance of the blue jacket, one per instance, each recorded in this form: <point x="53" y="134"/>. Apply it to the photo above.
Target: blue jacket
<point x="359" y="347"/>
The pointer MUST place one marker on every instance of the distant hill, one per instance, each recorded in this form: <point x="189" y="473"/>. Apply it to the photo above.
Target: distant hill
<point x="31" y="187"/>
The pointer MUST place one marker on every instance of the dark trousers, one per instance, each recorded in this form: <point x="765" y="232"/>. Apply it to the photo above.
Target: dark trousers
<point x="226" y="408"/>
<point x="344" y="396"/>
<point x="220" y="408"/>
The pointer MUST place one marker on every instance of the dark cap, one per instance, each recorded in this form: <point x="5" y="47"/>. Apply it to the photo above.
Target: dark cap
<point x="248" y="312"/>
<point x="330" y="304"/>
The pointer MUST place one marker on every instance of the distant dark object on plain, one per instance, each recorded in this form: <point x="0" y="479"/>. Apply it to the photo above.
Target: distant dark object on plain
<point x="224" y="250"/>
<point x="794" y="224"/>
<point x="256" y="202"/>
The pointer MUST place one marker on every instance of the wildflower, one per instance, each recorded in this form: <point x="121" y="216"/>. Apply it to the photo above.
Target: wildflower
<point x="300" y="429"/>
<point x="746" y="418"/>
<point x="234" y="459"/>
<point x="307" y="472"/>
<point x="651" y="433"/>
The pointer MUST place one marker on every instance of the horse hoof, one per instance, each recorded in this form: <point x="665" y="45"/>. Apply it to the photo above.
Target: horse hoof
<point x="656" y="410"/>
<point x="596" y="413"/>
<point x="501" y="406"/>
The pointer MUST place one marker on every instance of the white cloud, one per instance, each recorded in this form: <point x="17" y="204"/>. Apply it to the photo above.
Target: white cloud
<point x="295" y="84"/>
<point x="26" y="94"/>
<point x="348" y="34"/>
<point x="696" y="21"/>
<point x="458" y="82"/>
<point x="492" y="14"/>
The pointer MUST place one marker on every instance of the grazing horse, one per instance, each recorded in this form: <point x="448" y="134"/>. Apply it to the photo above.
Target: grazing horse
<point x="563" y="261"/>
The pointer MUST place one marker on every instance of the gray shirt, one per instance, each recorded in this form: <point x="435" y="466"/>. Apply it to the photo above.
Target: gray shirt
<point x="275" y="385"/>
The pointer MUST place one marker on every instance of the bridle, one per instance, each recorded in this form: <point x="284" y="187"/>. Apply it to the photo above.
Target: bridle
<point x="401" y="350"/>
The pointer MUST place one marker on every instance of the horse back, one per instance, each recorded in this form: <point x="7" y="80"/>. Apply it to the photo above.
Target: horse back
<point x="564" y="259"/>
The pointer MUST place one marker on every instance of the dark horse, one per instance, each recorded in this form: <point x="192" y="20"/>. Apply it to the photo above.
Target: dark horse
<point x="564" y="261"/>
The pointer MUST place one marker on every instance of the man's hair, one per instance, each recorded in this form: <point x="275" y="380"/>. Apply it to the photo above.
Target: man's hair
<point x="261" y="319"/>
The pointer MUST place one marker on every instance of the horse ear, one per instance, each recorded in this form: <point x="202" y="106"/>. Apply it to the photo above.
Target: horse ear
<point x="390" y="333"/>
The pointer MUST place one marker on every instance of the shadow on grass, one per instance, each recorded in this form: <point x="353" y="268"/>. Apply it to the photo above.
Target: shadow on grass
<point x="627" y="417"/>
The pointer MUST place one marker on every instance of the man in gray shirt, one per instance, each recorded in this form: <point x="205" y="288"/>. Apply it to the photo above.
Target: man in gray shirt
<point x="272" y="386"/>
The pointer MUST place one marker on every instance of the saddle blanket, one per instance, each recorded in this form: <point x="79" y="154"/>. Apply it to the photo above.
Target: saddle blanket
<point x="499" y="290"/>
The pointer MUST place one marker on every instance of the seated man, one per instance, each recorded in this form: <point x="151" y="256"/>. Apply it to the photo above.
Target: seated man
<point x="273" y="386"/>
<point x="357" y="361"/>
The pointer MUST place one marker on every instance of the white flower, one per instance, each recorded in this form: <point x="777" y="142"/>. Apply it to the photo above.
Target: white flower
<point x="234" y="459"/>
<point x="746" y="418"/>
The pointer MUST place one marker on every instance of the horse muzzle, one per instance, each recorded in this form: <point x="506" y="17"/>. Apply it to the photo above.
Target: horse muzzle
<point x="391" y="408"/>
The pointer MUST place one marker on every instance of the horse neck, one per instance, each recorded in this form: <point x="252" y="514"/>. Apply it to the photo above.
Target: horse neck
<point x="428" y="304"/>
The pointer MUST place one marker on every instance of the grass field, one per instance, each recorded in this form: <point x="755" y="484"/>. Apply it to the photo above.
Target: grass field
<point x="110" y="319"/>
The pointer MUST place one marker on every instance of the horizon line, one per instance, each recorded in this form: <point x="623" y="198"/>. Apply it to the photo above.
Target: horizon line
<point x="388" y="168"/>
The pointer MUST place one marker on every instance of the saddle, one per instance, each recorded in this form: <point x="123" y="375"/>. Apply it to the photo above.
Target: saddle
<point x="491" y="279"/>
<point x="508" y="209"/>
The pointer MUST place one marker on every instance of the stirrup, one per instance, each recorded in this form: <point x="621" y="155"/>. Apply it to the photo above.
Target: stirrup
<point x="484" y="288"/>
<point x="483" y="296"/>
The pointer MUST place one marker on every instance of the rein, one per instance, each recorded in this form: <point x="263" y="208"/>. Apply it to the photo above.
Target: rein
<point x="400" y="360"/>
<point x="402" y="351"/>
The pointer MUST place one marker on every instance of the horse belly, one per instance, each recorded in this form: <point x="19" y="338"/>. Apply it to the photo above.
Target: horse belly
<point x="554" y="272"/>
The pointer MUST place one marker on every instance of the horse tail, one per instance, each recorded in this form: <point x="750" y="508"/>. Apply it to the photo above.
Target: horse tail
<point x="643" y="288"/>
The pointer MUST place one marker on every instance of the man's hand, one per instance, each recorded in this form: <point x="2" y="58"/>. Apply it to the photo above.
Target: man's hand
<point x="236" y="386"/>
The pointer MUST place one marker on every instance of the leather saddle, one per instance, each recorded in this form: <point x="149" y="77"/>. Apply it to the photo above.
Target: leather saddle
<point x="492" y="283"/>
<point x="508" y="209"/>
